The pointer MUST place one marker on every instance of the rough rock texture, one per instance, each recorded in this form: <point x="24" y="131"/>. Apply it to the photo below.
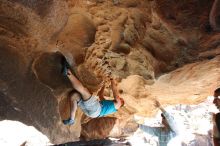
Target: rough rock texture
<point x="155" y="49"/>
<point x="101" y="142"/>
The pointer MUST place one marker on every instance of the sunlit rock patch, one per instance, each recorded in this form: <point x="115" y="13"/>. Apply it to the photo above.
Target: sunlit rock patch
<point x="17" y="133"/>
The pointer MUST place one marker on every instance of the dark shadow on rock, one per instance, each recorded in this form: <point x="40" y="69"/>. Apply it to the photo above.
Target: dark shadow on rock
<point x="97" y="142"/>
<point x="41" y="7"/>
<point x="22" y="97"/>
<point x="26" y="100"/>
<point x="48" y="69"/>
<point x="197" y="11"/>
<point x="10" y="110"/>
<point x="13" y="20"/>
<point x="12" y="64"/>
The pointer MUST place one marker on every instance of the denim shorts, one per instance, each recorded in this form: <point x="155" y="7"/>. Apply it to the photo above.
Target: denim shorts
<point x="91" y="107"/>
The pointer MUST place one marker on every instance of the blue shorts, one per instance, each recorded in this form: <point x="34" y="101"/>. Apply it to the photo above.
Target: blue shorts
<point x="107" y="107"/>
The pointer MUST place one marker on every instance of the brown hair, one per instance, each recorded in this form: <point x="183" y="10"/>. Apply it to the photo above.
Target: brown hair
<point x="217" y="121"/>
<point x="217" y="91"/>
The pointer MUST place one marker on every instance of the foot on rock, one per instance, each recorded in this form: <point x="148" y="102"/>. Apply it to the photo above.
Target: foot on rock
<point x="68" y="121"/>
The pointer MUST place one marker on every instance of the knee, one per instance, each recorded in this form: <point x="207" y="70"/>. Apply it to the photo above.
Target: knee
<point x="75" y="96"/>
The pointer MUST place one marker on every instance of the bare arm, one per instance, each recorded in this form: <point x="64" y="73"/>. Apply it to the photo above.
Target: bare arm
<point x="78" y="86"/>
<point x="118" y="101"/>
<point x="170" y="120"/>
<point x="154" y="131"/>
<point x="101" y="92"/>
<point x="114" y="89"/>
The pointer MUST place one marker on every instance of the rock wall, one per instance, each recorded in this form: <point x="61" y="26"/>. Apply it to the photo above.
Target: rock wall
<point x="155" y="49"/>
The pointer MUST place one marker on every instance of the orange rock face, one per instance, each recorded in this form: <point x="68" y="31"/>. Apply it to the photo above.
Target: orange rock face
<point x="155" y="49"/>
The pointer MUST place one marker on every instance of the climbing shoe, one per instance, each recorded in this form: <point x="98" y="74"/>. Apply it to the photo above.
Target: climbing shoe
<point x="68" y="121"/>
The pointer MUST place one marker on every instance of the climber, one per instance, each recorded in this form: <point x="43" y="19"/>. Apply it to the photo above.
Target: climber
<point x="89" y="103"/>
<point x="167" y="133"/>
<point x="216" y="100"/>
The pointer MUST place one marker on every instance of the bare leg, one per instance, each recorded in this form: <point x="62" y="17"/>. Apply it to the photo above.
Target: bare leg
<point x="78" y="86"/>
<point x="74" y="98"/>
